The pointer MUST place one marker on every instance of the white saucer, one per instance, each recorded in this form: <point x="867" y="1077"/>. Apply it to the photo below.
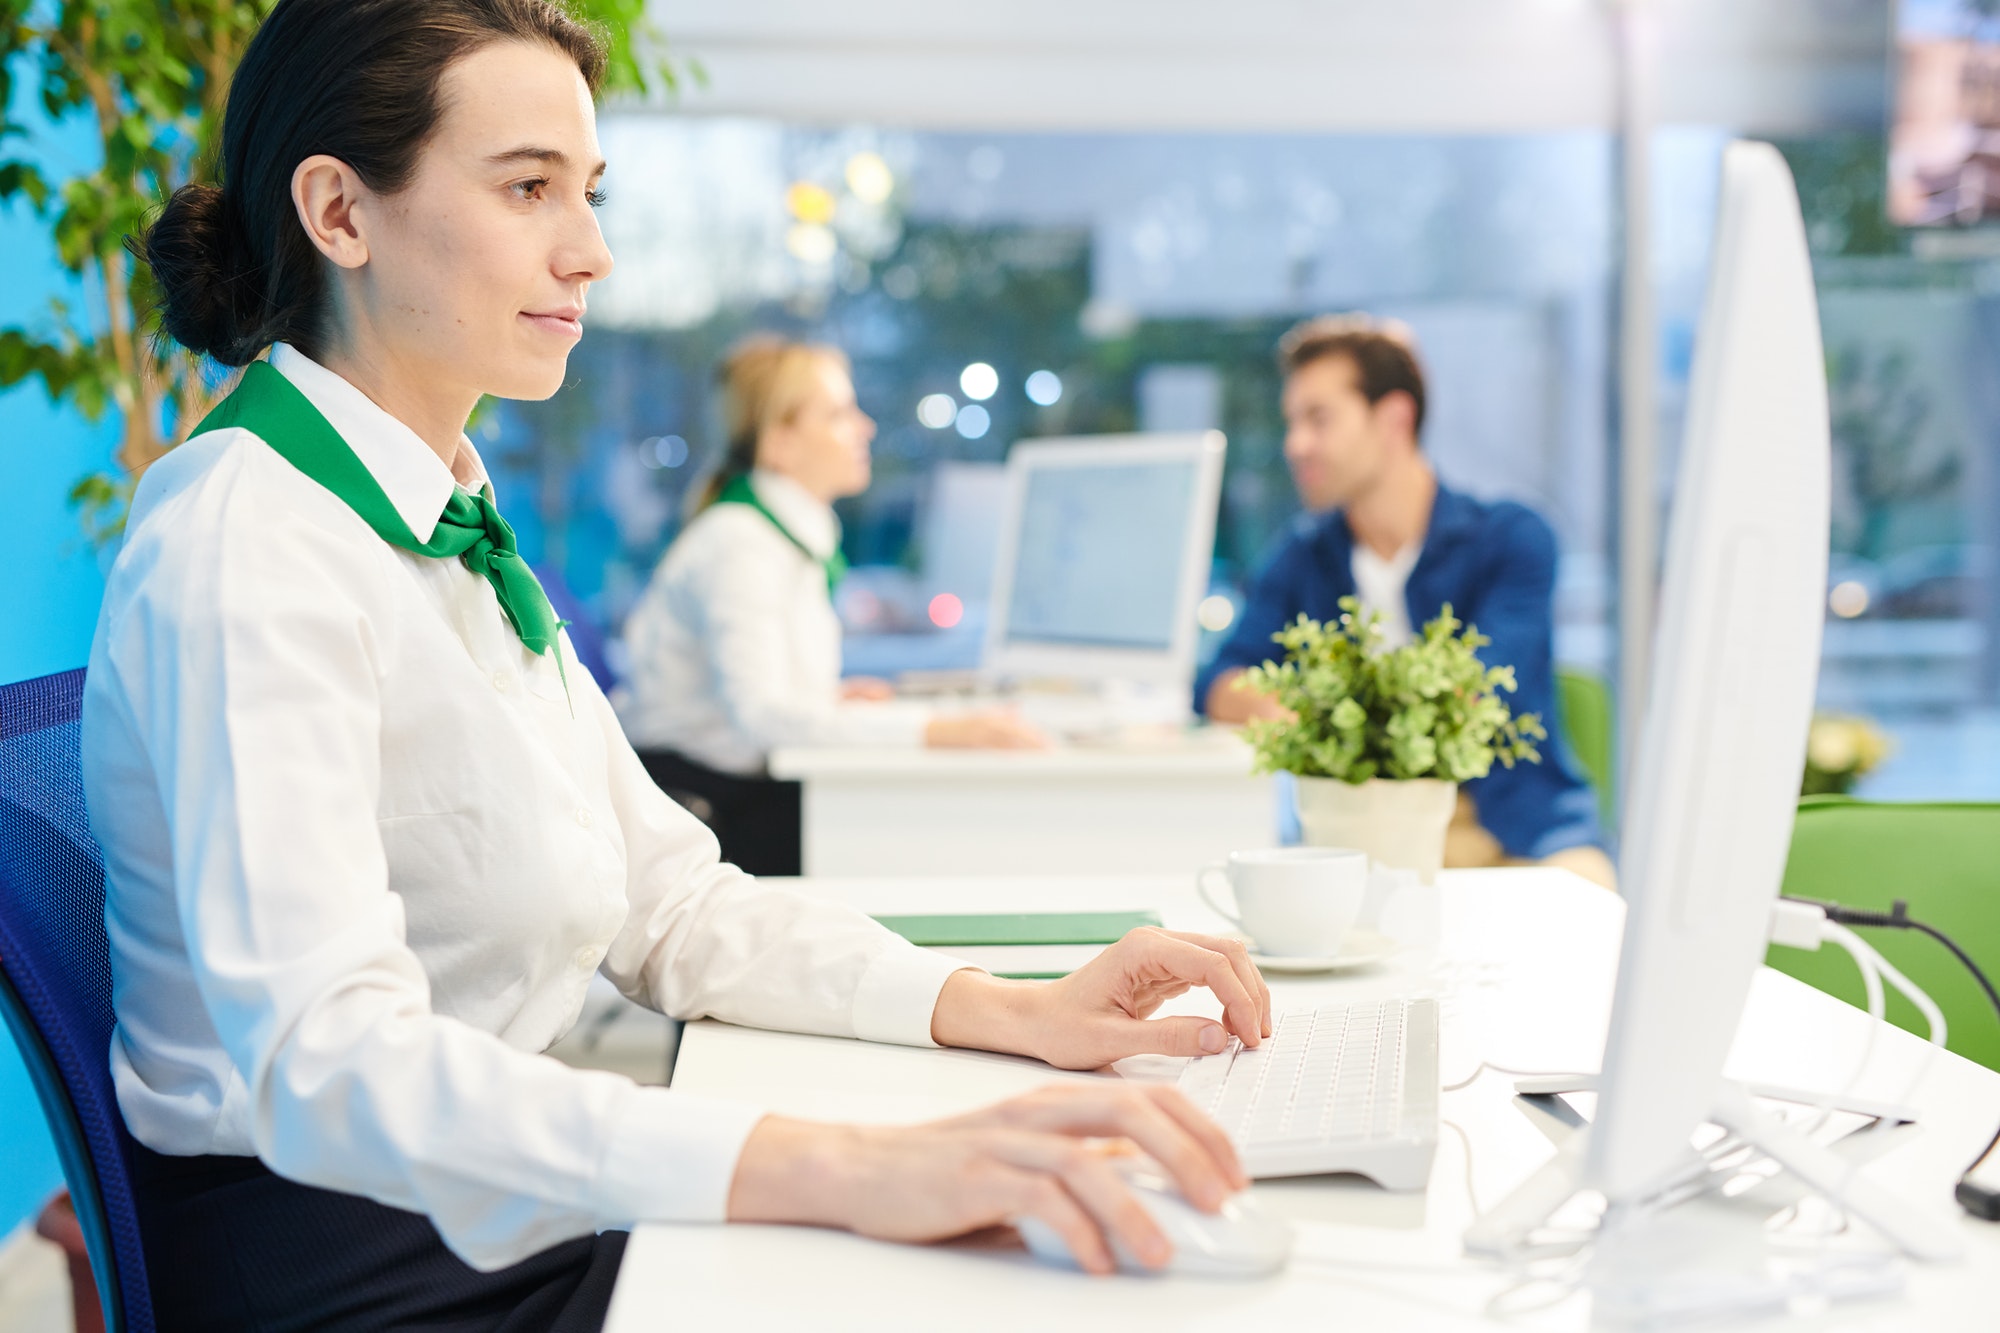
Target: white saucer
<point x="1361" y="948"/>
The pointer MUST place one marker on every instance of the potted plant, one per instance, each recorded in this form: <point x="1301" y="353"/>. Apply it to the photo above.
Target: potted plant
<point x="1379" y="738"/>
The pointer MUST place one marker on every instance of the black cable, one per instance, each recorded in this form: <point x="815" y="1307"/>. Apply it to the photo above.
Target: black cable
<point x="1976" y="1200"/>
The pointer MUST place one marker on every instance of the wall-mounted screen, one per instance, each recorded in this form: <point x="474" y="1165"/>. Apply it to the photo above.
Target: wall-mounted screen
<point x="1944" y="143"/>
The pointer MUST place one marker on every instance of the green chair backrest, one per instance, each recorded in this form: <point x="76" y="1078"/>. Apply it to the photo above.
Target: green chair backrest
<point x="1944" y="860"/>
<point x="1584" y="721"/>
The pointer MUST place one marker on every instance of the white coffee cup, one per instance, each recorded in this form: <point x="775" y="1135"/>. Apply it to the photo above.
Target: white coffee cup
<point x="1293" y="902"/>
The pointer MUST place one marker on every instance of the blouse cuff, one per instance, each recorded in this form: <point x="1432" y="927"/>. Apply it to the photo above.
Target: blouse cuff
<point x="899" y="992"/>
<point x="672" y="1156"/>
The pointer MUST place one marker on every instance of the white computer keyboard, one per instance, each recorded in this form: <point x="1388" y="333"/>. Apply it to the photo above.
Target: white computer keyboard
<point x="1344" y="1087"/>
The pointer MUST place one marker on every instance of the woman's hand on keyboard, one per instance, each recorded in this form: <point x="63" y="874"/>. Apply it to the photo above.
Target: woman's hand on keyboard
<point x="1102" y="1011"/>
<point x="868" y="689"/>
<point x="1041" y="1155"/>
<point x="987" y="729"/>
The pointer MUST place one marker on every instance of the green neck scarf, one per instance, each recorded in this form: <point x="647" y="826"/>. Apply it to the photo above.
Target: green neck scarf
<point x="738" y="491"/>
<point x="272" y="408"/>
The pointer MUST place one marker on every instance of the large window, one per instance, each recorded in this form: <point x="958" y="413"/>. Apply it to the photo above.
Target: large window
<point x="991" y="288"/>
<point x="1111" y="283"/>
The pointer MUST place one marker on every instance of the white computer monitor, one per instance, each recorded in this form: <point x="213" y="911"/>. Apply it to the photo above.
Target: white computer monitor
<point x="1105" y="548"/>
<point x="1715" y="780"/>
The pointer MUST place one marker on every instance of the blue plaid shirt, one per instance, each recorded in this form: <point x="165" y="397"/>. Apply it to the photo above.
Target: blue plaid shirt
<point x="1496" y="564"/>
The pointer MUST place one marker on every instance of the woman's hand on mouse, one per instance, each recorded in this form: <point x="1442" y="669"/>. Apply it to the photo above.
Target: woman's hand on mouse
<point x="1043" y="1155"/>
<point x="1102" y="1011"/>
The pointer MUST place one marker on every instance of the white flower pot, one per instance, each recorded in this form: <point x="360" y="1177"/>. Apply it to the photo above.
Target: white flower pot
<point x="1400" y="824"/>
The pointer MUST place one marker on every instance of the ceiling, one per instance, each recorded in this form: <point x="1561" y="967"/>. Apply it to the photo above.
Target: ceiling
<point x="1455" y="66"/>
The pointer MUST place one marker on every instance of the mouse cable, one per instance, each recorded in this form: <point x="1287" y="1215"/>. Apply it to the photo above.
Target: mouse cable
<point x="1485" y="1067"/>
<point x="1975" y="1199"/>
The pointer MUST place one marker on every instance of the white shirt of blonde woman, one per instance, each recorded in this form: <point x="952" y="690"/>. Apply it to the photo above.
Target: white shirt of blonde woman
<point x="734" y="648"/>
<point x="363" y="856"/>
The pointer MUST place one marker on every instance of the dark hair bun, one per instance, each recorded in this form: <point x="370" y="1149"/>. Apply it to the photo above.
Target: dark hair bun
<point x="210" y="300"/>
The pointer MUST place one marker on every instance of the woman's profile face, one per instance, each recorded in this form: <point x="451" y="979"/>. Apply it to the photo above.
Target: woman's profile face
<point x="824" y="447"/>
<point x="477" y="270"/>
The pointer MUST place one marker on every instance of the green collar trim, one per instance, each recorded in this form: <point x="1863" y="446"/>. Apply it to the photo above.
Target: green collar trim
<point x="471" y="528"/>
<point x="738" y="491"/>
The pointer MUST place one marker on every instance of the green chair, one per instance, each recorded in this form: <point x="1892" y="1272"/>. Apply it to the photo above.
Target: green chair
<point x="1944" y="860"/>
<point x="1584" y="721"/>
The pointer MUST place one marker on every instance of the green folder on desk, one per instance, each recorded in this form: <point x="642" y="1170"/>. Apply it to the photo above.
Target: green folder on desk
<point x="1023" y="945"/>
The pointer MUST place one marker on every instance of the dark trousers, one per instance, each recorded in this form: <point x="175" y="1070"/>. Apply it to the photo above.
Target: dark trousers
<point x="758" y="820"/>
<point x="233" y="1248"/>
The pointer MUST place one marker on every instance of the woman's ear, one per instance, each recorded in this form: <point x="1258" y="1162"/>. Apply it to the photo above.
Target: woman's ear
<point x="327" y="194"/>
<point x="774" y="448"/>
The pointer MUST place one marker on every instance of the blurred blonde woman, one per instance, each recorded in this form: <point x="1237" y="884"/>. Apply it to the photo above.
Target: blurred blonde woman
<point x="734" y="648"/>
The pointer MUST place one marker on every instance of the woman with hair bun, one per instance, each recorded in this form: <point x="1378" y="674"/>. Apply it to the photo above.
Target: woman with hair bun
<point x="734" y="649"/>
<point x="369" y="827"/>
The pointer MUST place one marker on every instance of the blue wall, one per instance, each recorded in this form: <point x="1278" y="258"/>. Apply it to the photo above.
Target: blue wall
<point x="48" y="595"/>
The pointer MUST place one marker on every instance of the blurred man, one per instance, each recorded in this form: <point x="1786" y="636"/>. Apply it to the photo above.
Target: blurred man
<point x="1382" y="528"/>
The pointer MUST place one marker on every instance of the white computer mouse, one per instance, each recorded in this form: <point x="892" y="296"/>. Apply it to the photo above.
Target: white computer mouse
<point x="1243" y="1240"/>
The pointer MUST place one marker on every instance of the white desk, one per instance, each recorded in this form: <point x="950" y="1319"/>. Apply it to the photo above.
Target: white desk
<point x="1525" y="971"/>
<point x="1160" y="808"/>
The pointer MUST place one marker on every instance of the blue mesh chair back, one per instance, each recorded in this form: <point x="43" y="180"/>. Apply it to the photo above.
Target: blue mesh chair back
<point x="55" y="977"/>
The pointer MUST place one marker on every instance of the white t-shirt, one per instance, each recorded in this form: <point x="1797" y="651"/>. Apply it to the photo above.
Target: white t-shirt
<point x="734" y="648"/>
<point x="1380" y="585"/>
<point x="363" y="855"/>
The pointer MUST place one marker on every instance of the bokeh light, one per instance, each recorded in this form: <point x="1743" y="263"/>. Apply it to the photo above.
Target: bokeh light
<point x="980" y="381"/>
<point x="946" y="610"/>
<point x="861" y="608"/>
<point x="810" y="203"/>
<point x="659" y="451"/>
<point x="1848" y="600"/>
<point x="1045" y="388"/>
<point x="812" y="243"/>
<point x="974" y="421"/>
<point x="1215" y="613"/>
<point x="937" y="410"/>
<point x="869" y="177"/>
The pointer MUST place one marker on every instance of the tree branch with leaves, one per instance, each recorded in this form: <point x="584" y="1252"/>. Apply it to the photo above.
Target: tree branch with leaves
<point x="151" y="77"/>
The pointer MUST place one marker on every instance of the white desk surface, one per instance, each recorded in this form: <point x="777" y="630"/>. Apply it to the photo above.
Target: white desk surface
<point x="1525" y="971"/>
<point x="1196" y="753"/>
<point x="1154" y="805"/>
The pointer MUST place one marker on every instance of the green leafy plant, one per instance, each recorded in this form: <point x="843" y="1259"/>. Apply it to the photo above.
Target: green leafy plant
<point x="152" y="77"/>
<point x="1429" y="709"/>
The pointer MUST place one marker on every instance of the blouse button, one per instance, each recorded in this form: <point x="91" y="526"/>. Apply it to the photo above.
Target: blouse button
<point x="501" y="680"/>
<point x="583" y="816"/>
<point x="586" y="959"/>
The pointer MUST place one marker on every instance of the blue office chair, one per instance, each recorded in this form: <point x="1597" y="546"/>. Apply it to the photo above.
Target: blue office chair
<point x="55" y="978"/>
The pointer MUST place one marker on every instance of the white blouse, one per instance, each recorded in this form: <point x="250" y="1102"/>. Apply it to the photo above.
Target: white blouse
<point x="363" y="856"/>
<point x="734" y="648"/>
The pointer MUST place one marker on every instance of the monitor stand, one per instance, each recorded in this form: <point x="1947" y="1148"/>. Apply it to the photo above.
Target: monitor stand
<point x="1920" y="1232"/>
